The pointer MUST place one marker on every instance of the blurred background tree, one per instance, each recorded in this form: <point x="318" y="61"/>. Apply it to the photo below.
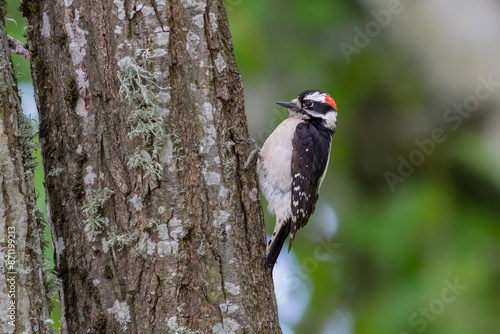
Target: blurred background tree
<point x="376" y="258"/>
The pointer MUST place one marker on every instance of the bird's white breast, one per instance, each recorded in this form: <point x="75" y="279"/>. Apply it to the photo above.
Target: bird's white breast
<point x="274" y="167"/>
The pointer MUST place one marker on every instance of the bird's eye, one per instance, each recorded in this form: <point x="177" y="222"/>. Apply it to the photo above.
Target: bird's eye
<point x="308" y="104"/>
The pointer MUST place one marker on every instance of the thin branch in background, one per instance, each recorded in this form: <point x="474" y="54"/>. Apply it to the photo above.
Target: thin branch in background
<point x="17" y="47"/>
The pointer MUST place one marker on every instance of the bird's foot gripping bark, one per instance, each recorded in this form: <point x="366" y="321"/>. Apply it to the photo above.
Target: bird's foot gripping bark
<point x="255" y="149"/>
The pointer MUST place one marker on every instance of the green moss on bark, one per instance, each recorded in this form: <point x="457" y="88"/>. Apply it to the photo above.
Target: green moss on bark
<point x="28" y="7"/>
<point x="72" y="94"/>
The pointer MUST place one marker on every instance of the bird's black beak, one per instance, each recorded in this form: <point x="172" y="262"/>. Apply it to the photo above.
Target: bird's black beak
<point x="288" y="105"/>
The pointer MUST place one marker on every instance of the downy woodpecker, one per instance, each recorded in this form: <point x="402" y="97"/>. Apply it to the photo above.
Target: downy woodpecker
<point x="293" y="163"/>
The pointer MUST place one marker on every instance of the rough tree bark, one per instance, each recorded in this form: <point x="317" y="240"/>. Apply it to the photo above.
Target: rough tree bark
<point x="155" y="227"/>
<point x="25" y="289"/>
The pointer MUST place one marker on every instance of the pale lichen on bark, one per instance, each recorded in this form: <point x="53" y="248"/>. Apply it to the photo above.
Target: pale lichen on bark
<point x="78" y="51"/>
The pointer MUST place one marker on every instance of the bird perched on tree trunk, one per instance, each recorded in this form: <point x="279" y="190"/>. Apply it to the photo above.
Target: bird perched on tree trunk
<point x="293" y="163"/>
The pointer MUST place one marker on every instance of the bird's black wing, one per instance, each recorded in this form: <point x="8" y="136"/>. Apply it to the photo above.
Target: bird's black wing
<point x="311" y="148"/>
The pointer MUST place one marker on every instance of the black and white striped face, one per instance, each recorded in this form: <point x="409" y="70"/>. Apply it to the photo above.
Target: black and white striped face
<point x="315" y="104"/>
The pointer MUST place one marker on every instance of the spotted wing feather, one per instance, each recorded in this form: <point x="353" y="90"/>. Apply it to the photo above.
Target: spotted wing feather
<point x="309" y="162"/>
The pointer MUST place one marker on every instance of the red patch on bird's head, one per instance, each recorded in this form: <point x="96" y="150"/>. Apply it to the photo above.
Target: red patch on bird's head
<point x="330" y="101"/>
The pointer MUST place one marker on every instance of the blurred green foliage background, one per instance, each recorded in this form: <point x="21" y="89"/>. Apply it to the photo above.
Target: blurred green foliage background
<point x="395" y="248"/>
<point x="408" y="228"/>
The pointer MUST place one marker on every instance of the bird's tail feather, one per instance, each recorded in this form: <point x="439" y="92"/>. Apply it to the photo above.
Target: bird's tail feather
<point x="276" y="243"/>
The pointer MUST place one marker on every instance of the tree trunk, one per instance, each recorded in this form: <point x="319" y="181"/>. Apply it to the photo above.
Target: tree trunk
<point x="155" y="227"/>
<point x="25" y="290"/>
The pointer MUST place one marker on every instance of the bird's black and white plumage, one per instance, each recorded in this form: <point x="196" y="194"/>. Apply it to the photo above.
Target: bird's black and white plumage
<point x="293" y="163"/>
